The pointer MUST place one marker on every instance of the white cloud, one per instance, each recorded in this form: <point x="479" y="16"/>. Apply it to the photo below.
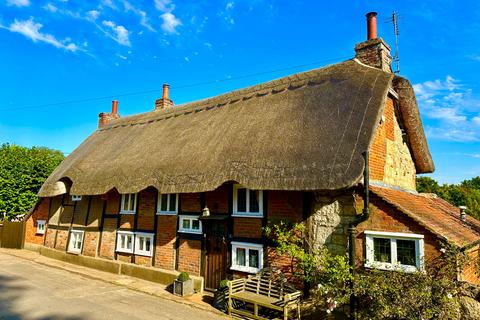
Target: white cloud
<point x="50" y="7"/>
<point x="108" y="3"/>
<point x="18" y="3"/>
<point x="164" y="5"/>
<point x="120" y="33"/>
<point x="451" y="108"/>
<point x="187" y="59"/>
<point x="92" y="15"/>
<point x="170" y="22"/>
<point x="142" y="14"/>
<point x="31" y="29"/>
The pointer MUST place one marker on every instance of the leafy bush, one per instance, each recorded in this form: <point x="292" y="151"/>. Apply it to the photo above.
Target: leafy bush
<point x="379" y="294"/>
<point x="183" y="276"/>
<point x="223" y="284"/>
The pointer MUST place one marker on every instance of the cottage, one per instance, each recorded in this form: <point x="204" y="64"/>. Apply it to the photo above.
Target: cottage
<point x="189" y="187"/>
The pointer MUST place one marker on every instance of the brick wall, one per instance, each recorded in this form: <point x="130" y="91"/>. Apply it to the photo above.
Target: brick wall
<point x="107" y="244"/>
<point x="190" y="202"/>
<point x="472" y="268"/>
<point x="247" y="227"/>
<point x="90" y="243"/>
<point x="165" y="246"/>
<point x="391" y="161"/>
<point x="217" y="200"/>
<point x="146" y="209"/>
<point x="384" y="217"/>
<point x="189" y="254"/>
<point x="285" y="205"/>
<point x="40" y="213"/>
<point x="62" y="238"/>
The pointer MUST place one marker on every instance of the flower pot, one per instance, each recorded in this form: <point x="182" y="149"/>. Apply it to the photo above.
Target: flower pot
<point x="183" y="288"/>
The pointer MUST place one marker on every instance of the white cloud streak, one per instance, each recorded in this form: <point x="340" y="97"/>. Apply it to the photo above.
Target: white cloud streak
<point x="144" y="21"/>
<point x="119" y="33"/>
<point x="31" y="29"/>
<point x="170" y="22"/>
<point x="18" y="3"/>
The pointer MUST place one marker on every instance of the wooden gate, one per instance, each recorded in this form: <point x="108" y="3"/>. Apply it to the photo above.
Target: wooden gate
<point x="216" y="253"/>
<point x="12" y="234"/>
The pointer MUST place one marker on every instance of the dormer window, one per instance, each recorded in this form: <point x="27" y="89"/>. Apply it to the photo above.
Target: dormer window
<point x="167" y="203"/>
<point x="129" y="203"/>
<point x="246" y="202"/>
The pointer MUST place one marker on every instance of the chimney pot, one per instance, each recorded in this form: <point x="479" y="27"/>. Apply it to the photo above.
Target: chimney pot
<point x="114" y="107"/>
<point x="166" y="87"/>
<point x="463" y="214"/>
<point x="371" y="25"/>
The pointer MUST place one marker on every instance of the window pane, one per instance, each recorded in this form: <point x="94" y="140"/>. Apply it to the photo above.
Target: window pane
<point x="254" y="201"/>
<point x="195" y="225"/>
<point x="242" y="200"/>
<point x="141" y="245"/>
<point x="147" y="242"/>
<point x="382" y="250"/>
<point x="406" y="252"/>
<point x="240" y="257"/>
<point x="253" y="258"/>
<point x="132" y="202"/>
<point x="186" y="224"/>
<point x="164" y="202"/>
<point x="122" y="242"/>
<point x="173" y="202"/>
<point x="129" y="242"/>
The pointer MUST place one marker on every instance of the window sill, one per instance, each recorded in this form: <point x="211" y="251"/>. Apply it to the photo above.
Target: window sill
<point x="124" y="251"/>
<point x="143" y="254"/>
<point x="391" y="267"/>
<point x="39" y="233"/>
<point x="247" y="215"/>
<point x="74" y="252"/>
<point x="160" y="213"/>
<point x="127" y="212"/>
<point x="188" y="231"/>
<point x="245" y="269"/>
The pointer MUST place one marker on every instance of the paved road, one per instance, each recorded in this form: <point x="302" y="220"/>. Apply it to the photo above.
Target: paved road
<point x="32" y="291"/>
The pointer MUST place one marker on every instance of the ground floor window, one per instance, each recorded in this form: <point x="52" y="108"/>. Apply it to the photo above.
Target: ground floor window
<point x="144" y="244"/>
<point x="189" y="224"/>
<point x="76" y="241"/>
<point x="247" y="257"/>
<point x="125" y="241"/>
<point x="41" y="226"/>
<point x="394" y="251"/>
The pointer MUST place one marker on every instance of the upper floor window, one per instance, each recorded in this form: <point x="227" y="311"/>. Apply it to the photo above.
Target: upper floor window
<point x="247" y="202"/>
<point x="76" y="198"/>
<point x="129" y="203"/>
<point x="167" y="203"/>
<point x="394" y="251"/>
<point x="41" y="226"/>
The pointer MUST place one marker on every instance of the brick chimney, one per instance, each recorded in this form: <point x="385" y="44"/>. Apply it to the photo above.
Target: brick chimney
<point x="374" y="52"/>
<point x="105" y="117"/>
<point x="164" y="102"/>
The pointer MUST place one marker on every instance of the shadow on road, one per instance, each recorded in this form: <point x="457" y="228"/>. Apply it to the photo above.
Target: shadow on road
<point x="12" y="307"/>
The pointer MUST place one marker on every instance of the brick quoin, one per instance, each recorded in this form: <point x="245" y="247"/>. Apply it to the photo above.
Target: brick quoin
<point x="189" y="256"/>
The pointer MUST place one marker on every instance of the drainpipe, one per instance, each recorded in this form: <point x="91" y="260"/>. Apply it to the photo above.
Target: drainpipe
<point x="352" y="231"/>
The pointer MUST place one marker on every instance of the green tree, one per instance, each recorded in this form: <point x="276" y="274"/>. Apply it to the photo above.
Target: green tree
<point x="427" y="185"/>
<point x="22" y="173"/>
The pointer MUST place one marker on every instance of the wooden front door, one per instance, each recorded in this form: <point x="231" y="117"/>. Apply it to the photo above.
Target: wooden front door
<point x="216" y="253"/>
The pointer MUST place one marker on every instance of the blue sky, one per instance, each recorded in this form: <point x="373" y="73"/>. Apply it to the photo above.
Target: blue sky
<point x="64" y="50"/>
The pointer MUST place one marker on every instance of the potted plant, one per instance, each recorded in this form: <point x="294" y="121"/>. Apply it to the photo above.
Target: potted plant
<point x="183" y="285"/>
<point x="220" y="297"/>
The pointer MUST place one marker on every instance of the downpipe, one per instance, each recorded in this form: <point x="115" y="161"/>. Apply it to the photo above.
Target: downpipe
<point x="352" y="232"/>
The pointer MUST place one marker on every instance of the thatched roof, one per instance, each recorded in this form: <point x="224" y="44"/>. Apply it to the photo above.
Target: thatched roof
<point x="302" y="132"/>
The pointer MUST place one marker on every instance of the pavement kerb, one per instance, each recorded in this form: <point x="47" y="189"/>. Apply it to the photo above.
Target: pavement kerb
<point x="166" y="296"/>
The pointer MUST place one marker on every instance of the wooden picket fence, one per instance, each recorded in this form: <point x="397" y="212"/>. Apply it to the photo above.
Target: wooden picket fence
<point x="12" y="234"/>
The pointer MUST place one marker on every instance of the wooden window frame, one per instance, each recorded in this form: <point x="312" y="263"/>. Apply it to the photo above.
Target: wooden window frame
<point x="167" y="212"/>
<point x="122" y="204"/>
<point x="247" y="213"/>
<point x="247" y="246"/>
<point x="393" y="264"/>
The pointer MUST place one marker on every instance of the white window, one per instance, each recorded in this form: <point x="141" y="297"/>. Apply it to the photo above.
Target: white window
<point x="247" y="202"/>
<point x="394" y="251"/>
<point x="129" y="203"/>
<point x="167" y="203"/>
<point x="76" y="198"/>
<point x="125" y="241"/>
<point x="247" y="257"/>
<point x="40" y="226"/>
<point x="190" y="224"/>
<point x="76" y="241"/>
<point x="144" y="244"/>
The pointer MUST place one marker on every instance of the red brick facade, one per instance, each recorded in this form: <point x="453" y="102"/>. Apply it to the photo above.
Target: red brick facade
<point x="41" y="213"/>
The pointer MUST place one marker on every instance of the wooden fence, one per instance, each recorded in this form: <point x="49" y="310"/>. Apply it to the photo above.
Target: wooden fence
<point x="12" y="234"/>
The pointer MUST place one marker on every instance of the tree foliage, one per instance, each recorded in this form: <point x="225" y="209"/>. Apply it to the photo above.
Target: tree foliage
<point x="22" y="173"/>
<point x="467" y="193"/>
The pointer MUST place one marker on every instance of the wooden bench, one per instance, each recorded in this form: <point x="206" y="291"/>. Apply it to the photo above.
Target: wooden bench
<point x="266" y="290"/>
